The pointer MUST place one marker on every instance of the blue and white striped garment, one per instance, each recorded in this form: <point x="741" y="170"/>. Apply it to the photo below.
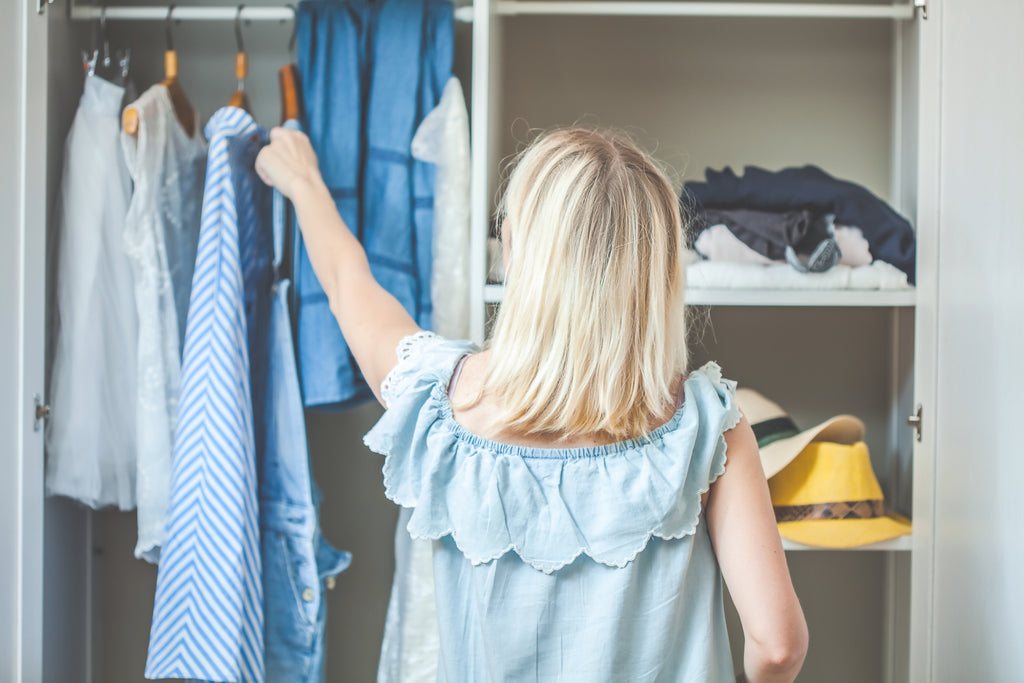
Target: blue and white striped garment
<point x="208" y="615"/>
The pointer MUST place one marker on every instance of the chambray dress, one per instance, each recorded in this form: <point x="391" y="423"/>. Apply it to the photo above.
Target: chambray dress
<point x="576" y="564"/>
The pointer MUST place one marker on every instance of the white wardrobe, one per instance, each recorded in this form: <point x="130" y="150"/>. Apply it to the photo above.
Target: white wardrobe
<point x="923" y="105"/>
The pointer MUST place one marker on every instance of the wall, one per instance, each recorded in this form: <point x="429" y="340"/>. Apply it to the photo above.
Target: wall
<point x="976" y="631"/>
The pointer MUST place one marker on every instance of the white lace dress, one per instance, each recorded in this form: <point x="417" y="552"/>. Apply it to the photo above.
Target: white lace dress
<point x="160" y="237"/>
<point x="410" y="647"/>
<point x="90" y="437"/>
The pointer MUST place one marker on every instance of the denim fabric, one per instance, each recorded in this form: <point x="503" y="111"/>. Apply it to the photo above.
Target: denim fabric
<point x="296" y="559"/>
<point x="371" y="71"/>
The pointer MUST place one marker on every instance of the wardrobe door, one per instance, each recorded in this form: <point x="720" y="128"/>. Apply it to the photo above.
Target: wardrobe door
<point x="22" y="287"/>
<point x="977" y="595"/>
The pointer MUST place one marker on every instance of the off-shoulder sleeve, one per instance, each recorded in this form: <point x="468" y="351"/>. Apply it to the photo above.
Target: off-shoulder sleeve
<point x="421" y="357"/>
<point x="550" y="506"/>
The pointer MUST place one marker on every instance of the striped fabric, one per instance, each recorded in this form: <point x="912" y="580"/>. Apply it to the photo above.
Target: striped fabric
<point x="208" y="615"/>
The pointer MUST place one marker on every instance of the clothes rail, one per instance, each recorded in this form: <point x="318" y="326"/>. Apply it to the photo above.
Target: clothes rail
<point x="204" y="13"/>
<point x="709" y="9"/>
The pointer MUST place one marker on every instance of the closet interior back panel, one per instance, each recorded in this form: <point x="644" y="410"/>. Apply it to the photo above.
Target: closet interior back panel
<point x="715" y="92"/>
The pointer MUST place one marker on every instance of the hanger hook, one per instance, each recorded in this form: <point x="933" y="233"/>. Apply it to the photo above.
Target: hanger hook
<point x="238" y="29"/>
<point x="295" y="29"/>
<point x="104" y="38"/>
<point x="167" y="28"/>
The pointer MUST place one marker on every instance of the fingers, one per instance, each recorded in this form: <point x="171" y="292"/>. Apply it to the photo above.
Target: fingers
<point x="288" y="158"/>
<point x="262" y="160"/>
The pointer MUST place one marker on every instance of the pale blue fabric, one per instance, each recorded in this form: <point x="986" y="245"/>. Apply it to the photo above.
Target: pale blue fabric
<point x="296" y="558"/>
<point x="580" y="564"/>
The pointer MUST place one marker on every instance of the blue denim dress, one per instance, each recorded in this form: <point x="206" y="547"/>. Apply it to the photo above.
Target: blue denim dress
<point x="576" y="564"/>
<point x="371" y="70"/>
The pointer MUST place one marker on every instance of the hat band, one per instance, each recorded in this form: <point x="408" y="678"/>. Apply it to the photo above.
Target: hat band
<point x="847" y="509"/>
<point x="775" y="429"/>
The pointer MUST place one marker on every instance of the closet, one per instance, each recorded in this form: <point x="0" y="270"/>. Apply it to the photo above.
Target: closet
<point x="877" y="93"/>
<point x="717" y="84"/>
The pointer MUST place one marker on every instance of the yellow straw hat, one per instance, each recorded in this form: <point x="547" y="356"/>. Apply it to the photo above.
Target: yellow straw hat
<point x="778" y="438"/>
<point x="828" y="496"/>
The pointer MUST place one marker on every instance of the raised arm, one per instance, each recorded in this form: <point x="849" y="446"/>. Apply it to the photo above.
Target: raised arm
<point x="372" y="320"/>
<point x="749" y="551"/>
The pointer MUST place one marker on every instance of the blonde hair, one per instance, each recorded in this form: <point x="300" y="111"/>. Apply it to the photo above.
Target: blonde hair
<point x="591" y="333"/>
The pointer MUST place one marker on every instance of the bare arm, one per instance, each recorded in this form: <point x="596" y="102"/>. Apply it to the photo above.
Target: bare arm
<point x="372" y="320"/>
<point x="746" y="540"/>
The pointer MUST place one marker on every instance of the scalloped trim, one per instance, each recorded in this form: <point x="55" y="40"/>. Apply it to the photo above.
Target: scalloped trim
<point x="732" y="419"/>
<point x="408" y="347"/>
<point x="381" y="443"/>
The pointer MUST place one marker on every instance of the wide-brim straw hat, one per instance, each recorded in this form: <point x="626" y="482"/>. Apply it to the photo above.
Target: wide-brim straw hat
<point x="778" y="437"/>
<point x="829" y="497"/>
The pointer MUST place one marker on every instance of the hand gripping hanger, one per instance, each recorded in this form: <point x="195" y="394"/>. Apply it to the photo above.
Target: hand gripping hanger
<point x="183" y="110"/>
<point x="240" y="99"/>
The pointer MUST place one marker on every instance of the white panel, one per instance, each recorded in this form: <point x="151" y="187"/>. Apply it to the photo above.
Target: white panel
<point x="979" y="544"/>
<point x="22" y="268"/>
<point x="924" y="182"/>
<point x="485" y="57"/>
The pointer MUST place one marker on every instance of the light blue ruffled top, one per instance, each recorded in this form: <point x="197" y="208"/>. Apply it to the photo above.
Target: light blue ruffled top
<point x="575" y="564"/>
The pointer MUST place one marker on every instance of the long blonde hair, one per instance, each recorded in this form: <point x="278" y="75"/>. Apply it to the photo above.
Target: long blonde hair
<point x="591" y="331"/>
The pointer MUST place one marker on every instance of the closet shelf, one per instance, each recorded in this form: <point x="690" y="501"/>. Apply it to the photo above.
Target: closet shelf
<point x="903" y="11"/>
<point x="900" y="543"/>
<point x="775" y="297"/>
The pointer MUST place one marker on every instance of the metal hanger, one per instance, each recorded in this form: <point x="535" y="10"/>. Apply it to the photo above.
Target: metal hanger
<point x="109" y="65"/>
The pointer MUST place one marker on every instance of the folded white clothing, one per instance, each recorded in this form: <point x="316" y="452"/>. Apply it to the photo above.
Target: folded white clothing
<point x="854" y="247"/>
<point x="725" y="275"/>
<point x="718" y="243"/>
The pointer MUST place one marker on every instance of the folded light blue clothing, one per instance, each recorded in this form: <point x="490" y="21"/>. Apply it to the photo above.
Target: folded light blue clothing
<point x="575" y="564"/>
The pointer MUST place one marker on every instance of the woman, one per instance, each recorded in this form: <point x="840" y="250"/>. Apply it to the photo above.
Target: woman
<point x="587" y="496"/>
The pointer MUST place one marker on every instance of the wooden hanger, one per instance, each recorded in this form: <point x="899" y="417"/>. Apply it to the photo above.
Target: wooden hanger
<point x="240" y="99"/>
<point x="288" y="78"/>
<point x="182" y="107"/>
<point x="291" y="103"/>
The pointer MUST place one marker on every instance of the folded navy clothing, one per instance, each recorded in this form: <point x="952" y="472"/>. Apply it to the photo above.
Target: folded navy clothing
<point x="770" y="232"/>
<point x="889" y="234"/>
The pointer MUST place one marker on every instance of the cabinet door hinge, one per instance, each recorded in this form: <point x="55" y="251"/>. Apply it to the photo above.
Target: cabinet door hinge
<point x="42" y="413"/>
<point x="921" y="7"/>
<point x="915" y="422"/>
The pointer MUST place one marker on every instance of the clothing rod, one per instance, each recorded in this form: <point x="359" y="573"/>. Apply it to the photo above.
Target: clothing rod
<point x="708" y="9"/>
<point x="219" y="13"/>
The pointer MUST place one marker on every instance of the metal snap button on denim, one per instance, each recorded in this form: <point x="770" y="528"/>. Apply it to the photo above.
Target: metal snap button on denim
<point x="307" y="595"/>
